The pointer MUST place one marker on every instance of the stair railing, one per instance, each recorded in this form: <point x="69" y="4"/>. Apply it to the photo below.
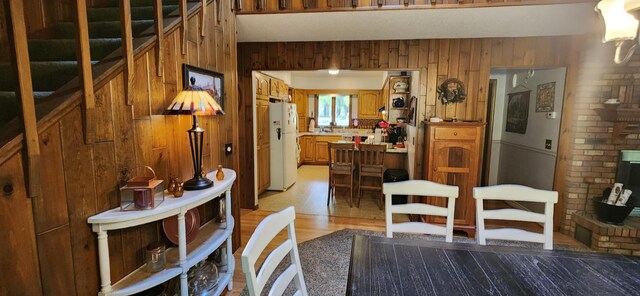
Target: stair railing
<point x="127" y="49"/>
<point x="20" y="59"/>
<point x="84" y="69"/>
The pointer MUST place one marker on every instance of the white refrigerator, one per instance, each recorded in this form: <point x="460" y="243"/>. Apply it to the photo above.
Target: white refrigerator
<point x="283" y="130"/>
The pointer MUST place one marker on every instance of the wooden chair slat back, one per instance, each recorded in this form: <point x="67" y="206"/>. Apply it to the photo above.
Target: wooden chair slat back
<point x="341" y="153"/>
<point x="372" y="155"/>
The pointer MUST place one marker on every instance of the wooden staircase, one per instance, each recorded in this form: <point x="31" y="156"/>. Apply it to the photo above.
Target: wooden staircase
<point x="53" y="61"/>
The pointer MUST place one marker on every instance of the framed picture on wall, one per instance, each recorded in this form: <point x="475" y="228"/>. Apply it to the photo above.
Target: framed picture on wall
<point x="518" y="112"/>
<point x="212" y="82"/>
<point x="546" y="97"/>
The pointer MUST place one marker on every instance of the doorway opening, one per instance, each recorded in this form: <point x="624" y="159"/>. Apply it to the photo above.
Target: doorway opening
<point x="330" y="108"/>
<point x="524" y="115"/>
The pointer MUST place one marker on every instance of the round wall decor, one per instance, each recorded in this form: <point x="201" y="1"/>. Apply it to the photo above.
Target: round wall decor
<point x="451" y="91"/>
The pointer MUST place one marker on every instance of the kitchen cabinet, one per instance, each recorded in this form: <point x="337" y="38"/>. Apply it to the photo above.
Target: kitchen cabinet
<point x="368" y="104"/>
<point x="302" y="123"/>
<point x="273" y="87"/>
<point x="262" y="87"/>
<point x="308" y="149"/>
<point x="322" y="152"/>
<point x="210" y="236"/>
<point x="264" y="167"/>
<point x="301" y="100"/>
<point x="262" y="127"/>
<point x="452" y="156"/>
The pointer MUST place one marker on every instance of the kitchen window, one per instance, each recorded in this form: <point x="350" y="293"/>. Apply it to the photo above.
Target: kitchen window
<point x="333" y="108"/>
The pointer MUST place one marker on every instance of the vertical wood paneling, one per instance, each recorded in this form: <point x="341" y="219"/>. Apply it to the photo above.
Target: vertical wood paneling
<point x="50" y="209"/>
<point x="20" y="274"/>
<point x="56" y="263"/>
<point x="82" y="179"/>
<point x="78" y="166"/>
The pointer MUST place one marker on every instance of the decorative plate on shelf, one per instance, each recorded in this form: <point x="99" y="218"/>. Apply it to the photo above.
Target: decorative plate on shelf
<point x="192" y="226"/>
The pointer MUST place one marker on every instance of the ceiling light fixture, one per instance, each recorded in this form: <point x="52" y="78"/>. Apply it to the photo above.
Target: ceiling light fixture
<point x="620" y="18"/>
<point x="334" y="71"/>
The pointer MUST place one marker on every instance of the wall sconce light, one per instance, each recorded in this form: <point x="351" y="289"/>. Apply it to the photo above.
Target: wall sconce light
<point x="620" y="19"/>
<point x="383" y="110"/>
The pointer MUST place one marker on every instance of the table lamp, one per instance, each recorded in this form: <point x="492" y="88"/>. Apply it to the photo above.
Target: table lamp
<point x="195" y="101"/>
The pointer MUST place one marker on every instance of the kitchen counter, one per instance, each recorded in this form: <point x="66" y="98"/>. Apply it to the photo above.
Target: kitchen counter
<point x="392" y="150"/>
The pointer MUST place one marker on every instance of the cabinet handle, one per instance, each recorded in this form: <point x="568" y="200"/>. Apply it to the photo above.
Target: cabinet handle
<point x="7" y="189"/>
<point x="435" y="169"/>
<point x="455" y="133"/>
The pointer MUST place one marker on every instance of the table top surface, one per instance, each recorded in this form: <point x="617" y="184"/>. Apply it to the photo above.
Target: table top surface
<point x="385" y="266"/>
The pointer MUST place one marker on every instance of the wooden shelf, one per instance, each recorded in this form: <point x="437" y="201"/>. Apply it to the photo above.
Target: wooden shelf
<point x="627" y="120"/>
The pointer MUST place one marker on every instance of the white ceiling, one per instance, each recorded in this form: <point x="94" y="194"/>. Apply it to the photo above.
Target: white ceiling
<point x="506" y="21"/>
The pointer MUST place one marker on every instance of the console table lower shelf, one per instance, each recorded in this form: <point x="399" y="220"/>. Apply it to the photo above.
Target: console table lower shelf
<point x="210" y="236"/>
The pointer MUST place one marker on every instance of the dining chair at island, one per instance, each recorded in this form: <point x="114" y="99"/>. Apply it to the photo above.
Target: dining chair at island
<point x="517" y="193"/>
<point x="420" y="188"/>
<point x="341" y="168"/>
<point x="266" y="231"/>
<point x="371" y="166"/>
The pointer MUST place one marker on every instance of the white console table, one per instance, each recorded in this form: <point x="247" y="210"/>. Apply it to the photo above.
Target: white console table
<point x="211" y="236"/>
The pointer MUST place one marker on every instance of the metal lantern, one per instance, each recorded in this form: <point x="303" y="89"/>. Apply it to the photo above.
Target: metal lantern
<point x="142" y="193"/>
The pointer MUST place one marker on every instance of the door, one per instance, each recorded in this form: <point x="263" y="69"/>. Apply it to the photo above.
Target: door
<point x="455" y="163"/>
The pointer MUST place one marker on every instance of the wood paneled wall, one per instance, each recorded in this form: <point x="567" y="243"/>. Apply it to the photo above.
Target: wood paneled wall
<point x="280" y="6"/>
<point x="469" y="60"/>
<point x="50" y="242"/>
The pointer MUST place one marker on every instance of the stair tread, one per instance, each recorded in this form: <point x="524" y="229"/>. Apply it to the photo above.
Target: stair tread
<point x="137" y="13"/>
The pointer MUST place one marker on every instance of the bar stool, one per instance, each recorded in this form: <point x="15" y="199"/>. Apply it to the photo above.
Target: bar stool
<point x="371" y="166"/>
<point x="341" y="163"/>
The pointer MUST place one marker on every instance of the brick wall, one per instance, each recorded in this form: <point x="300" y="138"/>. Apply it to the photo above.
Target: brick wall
<point x="593" y="155"/>
<point x="609" y="238"/>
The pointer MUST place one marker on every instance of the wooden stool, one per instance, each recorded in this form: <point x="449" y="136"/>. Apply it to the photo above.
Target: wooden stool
<point x="371" y="165"/>
<point x="341" y="163"/>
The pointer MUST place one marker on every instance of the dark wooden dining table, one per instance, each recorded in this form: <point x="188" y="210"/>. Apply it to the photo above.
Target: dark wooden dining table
<point x="392" y="266"/>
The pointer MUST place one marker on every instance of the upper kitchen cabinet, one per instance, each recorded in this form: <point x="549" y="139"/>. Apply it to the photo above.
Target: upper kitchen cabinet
<point x="262" y="87"/>
<point x="368" y="104"/>
<point x="300" y="99"/>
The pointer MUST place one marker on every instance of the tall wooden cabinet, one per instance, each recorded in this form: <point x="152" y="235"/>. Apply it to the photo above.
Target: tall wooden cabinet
<point x="264" y="158"/>
<point x="452" y="155"/>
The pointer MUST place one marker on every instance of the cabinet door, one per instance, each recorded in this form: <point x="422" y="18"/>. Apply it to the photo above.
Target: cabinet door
<point x="456" y="163"/>
<point x="263" y="85"/>
<point x="273" y="87"/>
<point x="322" y="152"/>
<point x="300" y="98"/>
<point x="302" y="123"/>
<point x="262" y="114"/>
<point x="264" y="167"/>
<point x="17" y="234"/>
<point x="368" y="104"/>
<point x="308" y="149"/>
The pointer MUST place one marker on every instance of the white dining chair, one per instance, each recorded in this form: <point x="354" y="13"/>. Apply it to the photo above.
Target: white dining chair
<point x="262" y="236"/>
<point x="515" y="193"/>
<point x="420" y="188"/>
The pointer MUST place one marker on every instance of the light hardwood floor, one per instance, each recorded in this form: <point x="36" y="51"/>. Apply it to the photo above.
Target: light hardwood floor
<point x="309" y="196"/>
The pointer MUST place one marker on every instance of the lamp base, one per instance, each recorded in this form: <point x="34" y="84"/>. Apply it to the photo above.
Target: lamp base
<point x="197" y="184"/>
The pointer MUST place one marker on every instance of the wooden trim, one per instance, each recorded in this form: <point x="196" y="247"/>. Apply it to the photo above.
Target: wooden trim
<point x="84" y="66"/>
<point x="332" y="91"/>
<point x="488" y="139"/>
<point x="159" y="28"/>
<point x="266" y="8"/>
<point x="183" y="20"/>
<point x="20" y="52"/>
<point x="127" y="49"/>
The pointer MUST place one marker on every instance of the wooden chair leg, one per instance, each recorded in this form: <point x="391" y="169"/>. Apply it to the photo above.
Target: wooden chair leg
<point x="359" y="189"/>
<point x="350" y="191"/>
<point x="329" y="190"/>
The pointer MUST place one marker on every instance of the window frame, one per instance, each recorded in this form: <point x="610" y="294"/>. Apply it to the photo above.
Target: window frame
<point x="333" y="107"/>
